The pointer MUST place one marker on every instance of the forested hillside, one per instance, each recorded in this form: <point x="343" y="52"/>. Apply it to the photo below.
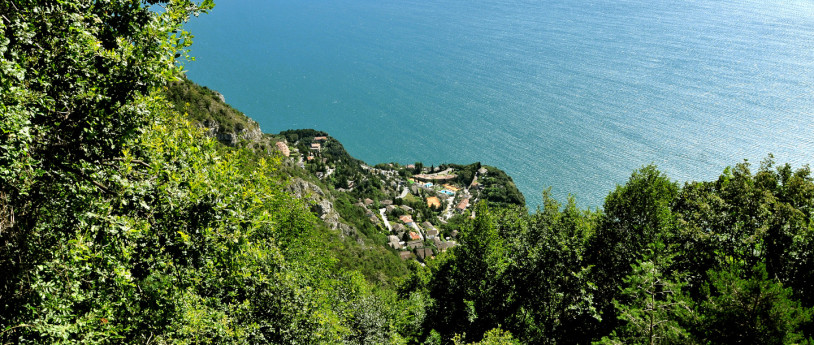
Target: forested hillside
<point x="122" y="220"/>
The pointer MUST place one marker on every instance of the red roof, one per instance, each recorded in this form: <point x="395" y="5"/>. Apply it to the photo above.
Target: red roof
<point x="414" y="236"/>
<point x="463" y="204"/>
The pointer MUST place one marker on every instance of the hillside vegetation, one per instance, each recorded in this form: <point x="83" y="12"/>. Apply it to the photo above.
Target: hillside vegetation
<point x="124" y="220"/>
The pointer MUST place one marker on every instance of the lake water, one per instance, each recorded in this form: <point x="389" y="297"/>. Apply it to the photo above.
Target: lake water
<point x="572" y="94"/>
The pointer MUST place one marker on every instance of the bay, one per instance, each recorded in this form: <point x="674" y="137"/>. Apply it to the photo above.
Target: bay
<point x="572" y="94"/>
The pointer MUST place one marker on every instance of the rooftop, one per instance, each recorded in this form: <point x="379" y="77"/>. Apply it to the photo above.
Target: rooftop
<point x="463" y="204"/>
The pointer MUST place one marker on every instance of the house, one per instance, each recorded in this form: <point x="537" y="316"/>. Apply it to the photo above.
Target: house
<point x="393" y="241"/>
<point x="323" y="138"/>
<point x="425" y="177"/>
<point x="463" y="205"/>
<point x="374" y="219"/>
<point x="406" y="255"/>
<point x="283" y="148"/>
<point x="482" y="171"/>
<point x="316" y="146"/>
<point x="407" y="219"/>
<point x="431" y="231"/>
<point x="424" y="253"/>
<point x="410" y="166"/>
<point x="437" y="241"/>
<point x="368" y="202"/>
<point x="387" y="202"/>
<point x="442" y="245"/>
<point x="433" y="201"/>
<point x="406" y="208"/>
<point x="414" y="244"/>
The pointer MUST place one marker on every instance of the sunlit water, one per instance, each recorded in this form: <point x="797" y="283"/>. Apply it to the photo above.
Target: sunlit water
<point x="564" y="93"/>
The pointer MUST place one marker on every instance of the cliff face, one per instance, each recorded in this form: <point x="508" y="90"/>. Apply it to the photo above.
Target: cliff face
<point x="321" y="204"/>
<point x="252" y="134"/>
<point x="209" y="109"/>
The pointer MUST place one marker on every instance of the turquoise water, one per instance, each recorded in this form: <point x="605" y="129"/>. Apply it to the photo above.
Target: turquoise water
<point x="573" y="94"/>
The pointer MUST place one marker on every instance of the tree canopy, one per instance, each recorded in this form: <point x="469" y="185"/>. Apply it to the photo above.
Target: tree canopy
<point x="121" y="222"/>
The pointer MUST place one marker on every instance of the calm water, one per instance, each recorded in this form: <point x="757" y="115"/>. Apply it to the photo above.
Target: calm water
<point x="573" y="94"/>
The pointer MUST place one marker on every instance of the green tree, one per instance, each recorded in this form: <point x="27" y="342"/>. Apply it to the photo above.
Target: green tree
<point x="754" y="217"/>
<point x="122" y="221"/>
<point x="652" y="306"/>
<point x="554" y="298"/>
<point x="470" y="286"/>
<point x="636" y="214"/>
<point x="745" y="306"/>
<point x="495" y="336"/>
<point x="74" y="83"/>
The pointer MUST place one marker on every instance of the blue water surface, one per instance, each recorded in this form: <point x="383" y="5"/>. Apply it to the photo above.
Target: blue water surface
<point x="572" y="94"/>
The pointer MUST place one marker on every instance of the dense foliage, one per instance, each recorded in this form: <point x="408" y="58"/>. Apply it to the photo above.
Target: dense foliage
<point x="727" y="261"/>
<point x="121" y="222"/>
<point x="498" y="186"/>
<point x="206" y="106"/>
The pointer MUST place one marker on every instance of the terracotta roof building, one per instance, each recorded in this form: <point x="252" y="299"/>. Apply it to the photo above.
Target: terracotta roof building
<point x="463" y="205"/>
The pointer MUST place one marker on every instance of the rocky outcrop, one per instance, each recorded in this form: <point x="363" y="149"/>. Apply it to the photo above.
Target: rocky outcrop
<point x="321" y="204"/>
<point x="253" y="134"/>
<point x="220" y="96"/>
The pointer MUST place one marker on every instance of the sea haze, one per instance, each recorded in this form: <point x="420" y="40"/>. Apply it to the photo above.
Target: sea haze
<point x="572" y="94"/>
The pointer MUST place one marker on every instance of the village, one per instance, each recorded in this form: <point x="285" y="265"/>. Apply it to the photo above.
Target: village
<point x="416" y="207"/>
<point x="422" y="240"/>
